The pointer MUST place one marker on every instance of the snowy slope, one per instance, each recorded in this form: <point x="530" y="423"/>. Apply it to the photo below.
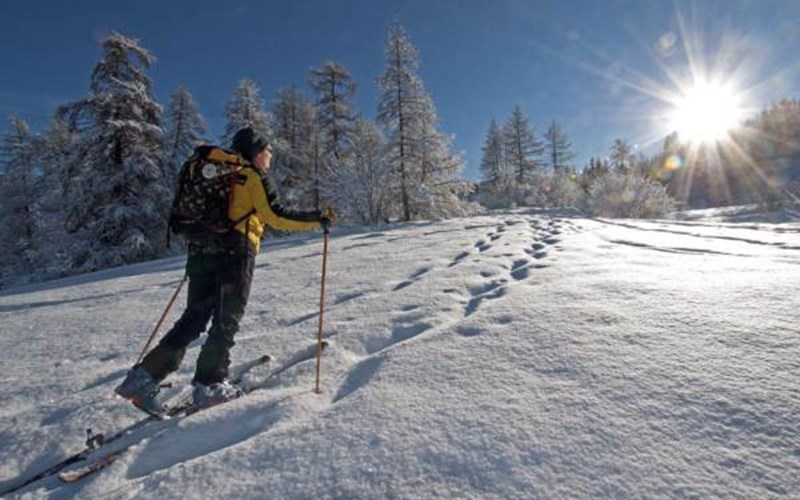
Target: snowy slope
<point x="520" y="354"/>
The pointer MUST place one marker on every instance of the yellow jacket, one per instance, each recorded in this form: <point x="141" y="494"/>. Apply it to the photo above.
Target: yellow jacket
<point x="256" y="206"/>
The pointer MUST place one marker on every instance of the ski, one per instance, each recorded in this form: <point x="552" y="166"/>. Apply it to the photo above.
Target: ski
<point x="81" y="472"/>
<point x="94" y="442"/>
<point x="247" y="388"/>
<point x="237" y="373"/>
<point x="178" y="411"/>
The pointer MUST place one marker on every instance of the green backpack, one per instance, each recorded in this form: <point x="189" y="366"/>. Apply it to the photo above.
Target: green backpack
<point x="205" y="192"/>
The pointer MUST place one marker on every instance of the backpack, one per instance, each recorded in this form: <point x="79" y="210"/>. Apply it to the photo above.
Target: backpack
<point x="205" y="191"/>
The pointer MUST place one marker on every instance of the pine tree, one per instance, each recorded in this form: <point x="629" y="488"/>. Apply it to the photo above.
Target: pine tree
<point x="295" y="149"/>
<point x="184" y="128"/>
<point x="118" y="198"/>
<point x="18" y="218"/>
<point x="522" y="149"/>
<point x="558" y="148"/>
<point x="246" y="109"/>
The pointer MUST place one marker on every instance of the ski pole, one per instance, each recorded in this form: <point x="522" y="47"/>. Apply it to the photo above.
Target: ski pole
<point x="326" y="231"/>
<point x="161" y="319"/>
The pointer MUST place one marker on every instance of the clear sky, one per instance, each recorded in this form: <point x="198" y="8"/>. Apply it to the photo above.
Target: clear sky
<point x="602" y="68"/>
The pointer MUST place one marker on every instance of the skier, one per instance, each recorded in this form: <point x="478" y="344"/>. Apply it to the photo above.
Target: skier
<point x="220" y="271"/>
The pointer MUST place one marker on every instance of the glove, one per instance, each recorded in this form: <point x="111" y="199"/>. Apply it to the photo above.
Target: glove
<point x="329" y="213"/>
<point x="327" y="218"/>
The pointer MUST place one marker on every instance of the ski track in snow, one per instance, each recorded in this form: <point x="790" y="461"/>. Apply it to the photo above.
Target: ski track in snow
<point x="519" y="354"/>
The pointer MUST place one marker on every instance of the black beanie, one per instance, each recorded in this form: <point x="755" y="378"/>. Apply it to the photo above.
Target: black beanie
<point x="248" y="143"/>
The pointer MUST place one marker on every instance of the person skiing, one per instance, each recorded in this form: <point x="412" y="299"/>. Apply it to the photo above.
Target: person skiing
<point x="220" y="272"/>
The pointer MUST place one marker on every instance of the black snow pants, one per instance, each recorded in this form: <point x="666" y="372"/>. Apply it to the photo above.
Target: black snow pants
<point x="219" y="285"/>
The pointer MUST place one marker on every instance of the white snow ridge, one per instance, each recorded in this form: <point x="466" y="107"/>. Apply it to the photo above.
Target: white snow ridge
<point x="521" y="354"/>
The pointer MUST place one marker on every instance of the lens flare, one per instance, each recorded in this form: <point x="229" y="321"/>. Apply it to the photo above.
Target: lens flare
<point x="673" y="163"/>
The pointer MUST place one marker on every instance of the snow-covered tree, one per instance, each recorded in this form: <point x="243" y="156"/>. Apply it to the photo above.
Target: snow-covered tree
<point x="522" y="150"/>
<point x="246" y="109"/>
<point x="596" y="169"/>
<point x="293" y="165"/>
<point x="57" y="147"/>
<point x="621" y="156"/>
<point x="334" y="89"/>
<point x="184" y="128"/>
<point x="118" y="196"/>
<point x="402" y="100"/>
<point x="493" y="164"/>
<point x="424" y="169"/>
<point x="360" y="189"/>
<point x="54" y="150"/>
<point x="558" y="148"/>
<point x="439" y="189"/>
<point x="18" y="212"/>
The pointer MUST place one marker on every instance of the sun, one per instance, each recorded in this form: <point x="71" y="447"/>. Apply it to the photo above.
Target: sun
<point x="706" y="112"/>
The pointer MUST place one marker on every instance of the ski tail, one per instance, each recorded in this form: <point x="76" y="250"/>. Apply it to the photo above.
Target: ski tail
<point x="185" y="407"/>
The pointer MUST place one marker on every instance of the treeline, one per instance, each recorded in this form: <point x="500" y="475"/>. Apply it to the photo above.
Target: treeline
<point x="94" y="188"/>
<point x="758" y="164"/>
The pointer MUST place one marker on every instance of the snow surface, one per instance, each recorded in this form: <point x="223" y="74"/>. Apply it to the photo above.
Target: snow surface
<point x="520" y="354"/>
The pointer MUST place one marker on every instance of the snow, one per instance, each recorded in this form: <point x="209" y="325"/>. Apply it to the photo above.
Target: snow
<point x="519" y="354"/>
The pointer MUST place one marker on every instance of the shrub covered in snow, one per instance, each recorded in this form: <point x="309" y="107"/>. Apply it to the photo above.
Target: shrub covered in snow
<point x="547" y="190"/>
<point x="628" y="195"/>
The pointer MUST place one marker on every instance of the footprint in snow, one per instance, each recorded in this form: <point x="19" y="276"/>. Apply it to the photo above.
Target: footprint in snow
<point x="474" y="304"/>
<point x="482" y="246"/>
<point x="346" y="297"/>
<point x="458" y="258"/>
<point x="468" y="331"/>
<point x="402" y="285"/>
<point x="536" y="254"/>
<point x="520" y="269"/>
<point x="412" y="278"/>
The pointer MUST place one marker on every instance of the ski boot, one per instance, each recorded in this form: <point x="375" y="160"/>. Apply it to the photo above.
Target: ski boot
<point x="206" y="396"/>
<point x="141" y="389"/>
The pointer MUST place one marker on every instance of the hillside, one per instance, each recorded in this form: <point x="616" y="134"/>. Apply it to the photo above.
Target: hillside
<point x="521" y="354"/>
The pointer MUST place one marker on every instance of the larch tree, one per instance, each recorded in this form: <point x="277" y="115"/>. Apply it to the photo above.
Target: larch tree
<point x="334" y="90"/>
<point x="558" y="148"/>
<point x="493" y="164"/>
<point x="424" y="169"/>
<point x="293" y="165"/>
<point x="401" y="102"/>
<point x="621" y="156"/>
<point x="522" y="150"/>
<point x="18" y="218"/>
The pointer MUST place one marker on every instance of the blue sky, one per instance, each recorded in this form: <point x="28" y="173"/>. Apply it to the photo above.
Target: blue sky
<point x="603" y="69"/>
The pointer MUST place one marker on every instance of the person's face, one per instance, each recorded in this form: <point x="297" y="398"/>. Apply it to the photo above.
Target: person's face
<point x="262" y="159"/>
